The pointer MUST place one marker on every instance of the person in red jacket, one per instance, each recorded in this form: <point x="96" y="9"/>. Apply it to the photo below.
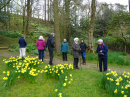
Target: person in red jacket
<point x="41" y="47"/>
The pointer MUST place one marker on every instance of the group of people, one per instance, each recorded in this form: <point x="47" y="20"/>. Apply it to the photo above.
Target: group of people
<point x="78" y="50"/>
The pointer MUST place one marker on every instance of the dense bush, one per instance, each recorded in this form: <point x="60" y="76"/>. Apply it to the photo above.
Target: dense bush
<point x="10" y="34"/>
<point x="113" y="57"/>
<point x="116" y="85"/>
<point x="117" y="43"/>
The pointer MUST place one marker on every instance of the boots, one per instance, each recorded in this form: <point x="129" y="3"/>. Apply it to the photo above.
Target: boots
<point x="84" y="62"/>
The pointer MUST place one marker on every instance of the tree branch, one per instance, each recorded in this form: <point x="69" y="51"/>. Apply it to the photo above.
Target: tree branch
<point x="5" y="4"/>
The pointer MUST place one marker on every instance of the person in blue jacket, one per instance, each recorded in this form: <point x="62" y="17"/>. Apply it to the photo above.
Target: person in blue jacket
<point x="102" y="54"/>
<point x="83" y="47"/>
<point x="22" y="45"/>
<point x="64" y="50"/>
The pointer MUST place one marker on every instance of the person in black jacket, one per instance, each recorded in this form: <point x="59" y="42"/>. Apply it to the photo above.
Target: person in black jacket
<point x="50" y="45"/>
<point x="83" y="47"/>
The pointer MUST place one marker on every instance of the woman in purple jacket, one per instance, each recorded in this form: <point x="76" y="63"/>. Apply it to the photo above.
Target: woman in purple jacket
<point x="41" y="47"/>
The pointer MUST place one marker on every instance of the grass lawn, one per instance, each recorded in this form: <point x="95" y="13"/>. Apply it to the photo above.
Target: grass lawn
<point x="86" y="84"/>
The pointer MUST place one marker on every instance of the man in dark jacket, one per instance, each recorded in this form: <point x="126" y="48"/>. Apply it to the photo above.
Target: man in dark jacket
<point x="50" y="45"/>
<point x="22" y="43"/>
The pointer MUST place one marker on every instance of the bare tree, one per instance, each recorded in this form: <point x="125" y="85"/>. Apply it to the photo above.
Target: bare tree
<point x="45" y="11"/>
<point x="91" y="29"/>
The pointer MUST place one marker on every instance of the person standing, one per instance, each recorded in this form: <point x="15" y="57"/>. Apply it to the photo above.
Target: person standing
<point x="41" y="46"/>
<point x="102" y="54"/>
<point x="83" y="47"/>
<point x="22" y="43"/>
<point x="50" y="45"/>
<point x="64" y="50"/>
<point x="76" y="52"/>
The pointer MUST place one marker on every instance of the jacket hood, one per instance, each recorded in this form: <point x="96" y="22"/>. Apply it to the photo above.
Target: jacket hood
<point x="40" y="40"/>
<point x="50" y="36"/>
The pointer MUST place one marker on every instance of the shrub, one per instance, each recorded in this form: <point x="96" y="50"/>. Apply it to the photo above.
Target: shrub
<point x="10" y="34"/>
<point x="116" y="85"/>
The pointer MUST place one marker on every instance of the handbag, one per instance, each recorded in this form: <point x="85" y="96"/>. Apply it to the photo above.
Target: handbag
<point x="100" y="54"/>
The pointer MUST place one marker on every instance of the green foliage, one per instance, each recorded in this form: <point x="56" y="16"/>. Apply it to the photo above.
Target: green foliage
<point x="116" y="85"/>
<point x="32" y="49"/>
<point x="113" y="57"/>
<point x="10" y="34"/>
<point x="116" y="43"/>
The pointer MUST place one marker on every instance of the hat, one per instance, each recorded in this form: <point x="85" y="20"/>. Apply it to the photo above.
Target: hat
<point x="76" y="38"/>
<point x="100" y="40"/>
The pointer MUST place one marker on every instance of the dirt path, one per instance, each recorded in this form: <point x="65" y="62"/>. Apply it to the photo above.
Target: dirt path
<point x="57" y="60"/>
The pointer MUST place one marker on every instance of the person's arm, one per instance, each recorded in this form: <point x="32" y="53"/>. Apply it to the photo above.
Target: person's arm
<point x="85" y="46"/>
<point x="44" y="44"/>
<point x="25" y="42"/>
<point x="105" y="49"/>
<point x="97" y="49"/>
<point x="74" y="48"/>
<point x="37" y="44"/>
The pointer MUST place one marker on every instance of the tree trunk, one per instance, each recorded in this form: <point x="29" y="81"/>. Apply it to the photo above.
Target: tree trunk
<point x="91" y="29"/>
<point x="24" y="7"/>
<point x="124" y="38"/>
<point x="48" y="11"/>
<point x="56" y="27"/>
<point x="45" y="11"/>
<point x="67" y="19"/>
<point x="28" y="17"/>
<point x="129" y="6"/>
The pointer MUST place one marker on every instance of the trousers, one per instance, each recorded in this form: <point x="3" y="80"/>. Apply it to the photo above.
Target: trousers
<point x="22" y="52"/>
<point x="104" y="60"/>
<point x="64" y="56"/>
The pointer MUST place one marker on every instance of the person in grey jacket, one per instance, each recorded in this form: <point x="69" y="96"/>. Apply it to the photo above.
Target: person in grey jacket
<point x="76" y="52"/>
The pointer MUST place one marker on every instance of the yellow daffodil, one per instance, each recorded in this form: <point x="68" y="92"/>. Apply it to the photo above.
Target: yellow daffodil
<point x="69" y="82"/>
<point x="66" y="79"/>
<point x="56" y="90"/>
<point x="70" y="75"/>
<point x="122" y="87"/>
<point x="122" y="92"/>
<point x="60" y="94"/>
<point x="125" y="95"/>
<point x="18" y="76"/>
<point x="108" y="78"/>
<point x="117" y="84"/>
<point x="71" y="79"/>
<point x="5" y="78"/>
<point x="115" y="91"/>
<point x="64" y="84"/>
<point x="4" y="72"/>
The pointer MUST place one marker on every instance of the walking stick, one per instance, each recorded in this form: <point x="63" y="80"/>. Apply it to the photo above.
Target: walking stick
<point x="80" y="63"/>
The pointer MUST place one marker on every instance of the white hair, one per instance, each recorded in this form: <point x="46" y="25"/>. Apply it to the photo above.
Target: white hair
<point x="76" y="38"/>
<point x="65" y="39"/>
<point x="100" y="40"/>
<point x="41" y="37"/>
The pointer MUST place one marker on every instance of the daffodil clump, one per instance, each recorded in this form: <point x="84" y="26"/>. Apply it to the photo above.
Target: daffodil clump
<point x="21" y="67"/>
<point x="117" y="85"/>
<point x="60" y="72"/>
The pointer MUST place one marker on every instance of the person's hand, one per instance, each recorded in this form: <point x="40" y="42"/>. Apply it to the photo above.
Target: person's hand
<point x="101" y="51"/>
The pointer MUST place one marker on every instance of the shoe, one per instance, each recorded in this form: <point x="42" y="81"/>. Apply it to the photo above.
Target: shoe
<point x="77" y="68"/>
